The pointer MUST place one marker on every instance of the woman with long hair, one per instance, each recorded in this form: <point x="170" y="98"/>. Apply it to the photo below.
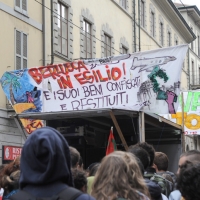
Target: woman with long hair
<point x="9" y="178"/>
<point x="119" y="177"/>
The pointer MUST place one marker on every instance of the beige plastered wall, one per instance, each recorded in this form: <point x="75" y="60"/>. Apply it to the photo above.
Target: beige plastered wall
<point x="103" y="12"/>
<point x="148" y="42"/>
<point x="7" y="40"/>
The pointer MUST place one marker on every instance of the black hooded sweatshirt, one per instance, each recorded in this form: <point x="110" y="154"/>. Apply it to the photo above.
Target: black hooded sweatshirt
<point x="46" y="164"/>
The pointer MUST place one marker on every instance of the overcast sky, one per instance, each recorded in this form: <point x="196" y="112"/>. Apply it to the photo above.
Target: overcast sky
<point x="189" y="2"/>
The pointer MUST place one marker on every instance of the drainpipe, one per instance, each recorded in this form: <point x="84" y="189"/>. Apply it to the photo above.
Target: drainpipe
<point x="134" y="26"/>
<point x="44" y="32"/>
<point x="139" y="23"/>
<point x="189" y="67"/>
<point x="52" y="50"/>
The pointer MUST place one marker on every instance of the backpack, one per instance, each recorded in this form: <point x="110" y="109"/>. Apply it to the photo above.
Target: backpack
<point x="67" y="194"/>
<point x="165" y="185"/>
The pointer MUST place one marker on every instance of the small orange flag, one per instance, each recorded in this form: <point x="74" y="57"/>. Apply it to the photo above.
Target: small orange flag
<point x="111" y="147"/>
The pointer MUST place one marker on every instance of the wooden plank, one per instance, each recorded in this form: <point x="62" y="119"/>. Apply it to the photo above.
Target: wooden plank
<point x="152" y="121"/>
<point x="9" y="130"/>
<point x="183" y="123"/>
<point x="10" y="138"/>
<point x="20" y="127"/>
<point x="119" y="130"/>
<point x="3" y="113"/>
<point x="7" y="122"/>
<point x="141" y="127"/>
<point x="162" y="119"/>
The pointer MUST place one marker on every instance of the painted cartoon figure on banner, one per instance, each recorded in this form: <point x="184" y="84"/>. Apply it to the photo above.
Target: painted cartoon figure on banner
<point x="23" y="96"/>
<point x="152" y="65"/>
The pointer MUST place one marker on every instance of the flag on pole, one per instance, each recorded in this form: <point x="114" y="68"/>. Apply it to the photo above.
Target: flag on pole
<point x="111" y="147"/>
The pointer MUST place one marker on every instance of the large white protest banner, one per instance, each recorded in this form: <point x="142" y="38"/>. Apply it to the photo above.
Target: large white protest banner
<point x="147" y="81"/>
<point x="191" y="113"/>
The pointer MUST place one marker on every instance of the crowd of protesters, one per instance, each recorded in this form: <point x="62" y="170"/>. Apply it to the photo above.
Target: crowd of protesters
<point x="49" y="169"/>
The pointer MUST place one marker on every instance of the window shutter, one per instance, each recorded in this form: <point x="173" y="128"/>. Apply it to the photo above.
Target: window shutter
<point x="17" y="3"/>
<point x="24" y="5"/>
<point x="18" y="62"/>
<point x="24" y="51"/>
<point x="24" y="63"/>
<point x="18" y="42"/>
<point x="24" y="45"/>
<point x="21" y="50"/>
<point x="18" y="50"/>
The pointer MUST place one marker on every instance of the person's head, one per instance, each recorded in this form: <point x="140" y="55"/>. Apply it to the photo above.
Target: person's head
<point x="75" y="157"/>
<point x="11" y="167"/>
<point x="150" y="150"/>
<point x="140" y="153"/>
<point x="161" y="162"/>
<point x="45" y="159"/>
<point x="191" y="156"/>
<point x="188" y="181"/>
<point x="80" y="164"/>
<point x="11" y="182"/>
<point x="80" y="180"/>
<point x="92" y="169"/>
<point x="2" y="167"/>
<point x="118" y="175"/>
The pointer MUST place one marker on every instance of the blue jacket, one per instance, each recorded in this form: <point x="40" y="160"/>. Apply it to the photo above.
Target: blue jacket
<point x="175" y="195"/>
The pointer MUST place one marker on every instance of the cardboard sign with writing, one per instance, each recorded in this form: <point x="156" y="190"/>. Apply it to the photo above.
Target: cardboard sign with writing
<point x="191" y="113"/>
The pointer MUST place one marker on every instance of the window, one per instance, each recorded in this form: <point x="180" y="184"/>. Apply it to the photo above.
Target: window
<point x="193" y="72"/>
<point x="21" y="6"/>
<point x="62" y="29"/>
<point x="198" y="46"/>
<point x="176" y="39"/>
<point x="161" y="34"/>
<point x="87" y="39"/>
<point x="199" y="74"/>
<point x="153" y="24"/>
<point x="192" y="45"/>
<point x="124" y="4"/>
<point x="124" y="50"/>
<point x="123" y="46"/>
<point x="142" y="17"/>
<point x="169" y="38"/>
<point x="87" y="33"/>
<point x="20" y="50"/>
<point x="107" y="45"/>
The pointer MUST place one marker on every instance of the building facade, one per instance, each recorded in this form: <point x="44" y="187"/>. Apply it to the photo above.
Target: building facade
<point x="192" y="15"/>
<point x="161" y="25"/>
<point x="38" y="33"/>
<point x="21" y="47"/>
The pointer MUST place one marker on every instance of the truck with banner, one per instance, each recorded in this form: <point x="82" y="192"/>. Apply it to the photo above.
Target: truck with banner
<point x="143" y="81"/>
